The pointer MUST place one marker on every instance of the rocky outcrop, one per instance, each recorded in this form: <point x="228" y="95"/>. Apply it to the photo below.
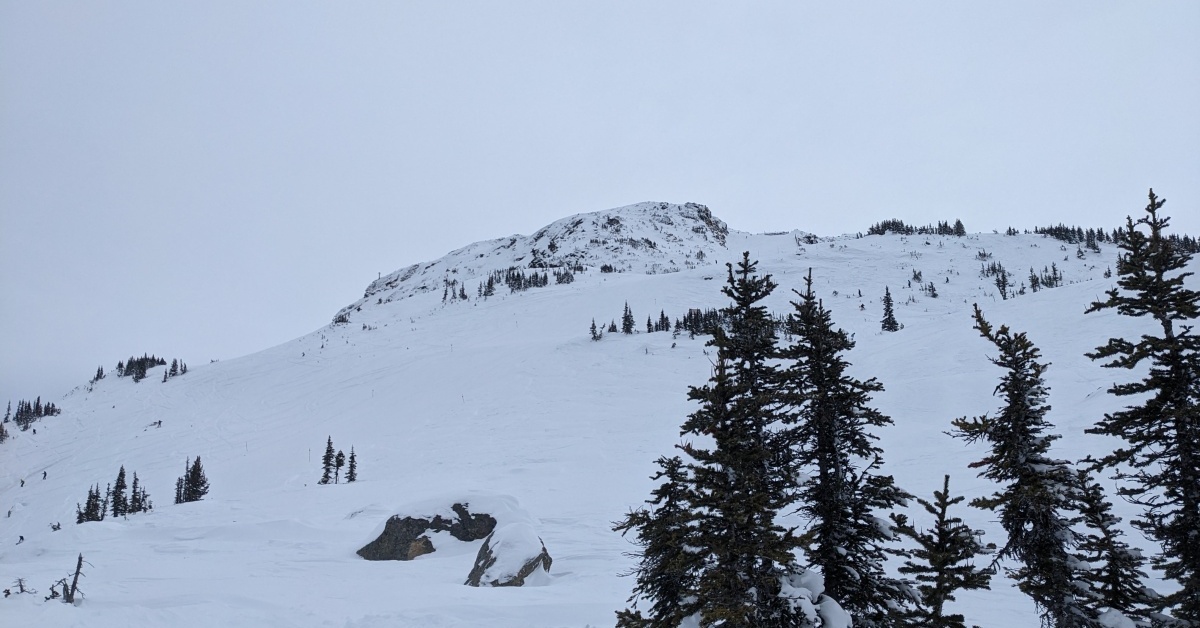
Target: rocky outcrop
<point x="510" y="556"/>
<point x="405" y="538"/>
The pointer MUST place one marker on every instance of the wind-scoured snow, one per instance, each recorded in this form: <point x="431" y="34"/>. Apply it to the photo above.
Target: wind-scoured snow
<point x="507" y="403"/>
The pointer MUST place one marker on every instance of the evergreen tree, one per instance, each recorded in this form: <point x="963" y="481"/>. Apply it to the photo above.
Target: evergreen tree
<point x="338" y="463"/>
<point x="1116" y="576"/>
<point x="670" y="555"/>
<point x="627" y="320"/>
<point x="741" y="482"/>
<point x="889" y="315"/>
<point x="327" y="462"/>
<point x="179" y="482"/>
<point x="649" y="325"/>
<point x="352" y="469"/>
<point x="196" y="485"/>
<point x="106" y="501"/>
<point x="174" y="367"/>
<point x="612" y="327"/>
<point x="945" y="553"/>
<point x="120" y="504"/>
<point x="1161" y="460"/>
<point x="135" y="496"/>
<point x="1037" y="498"/>
<point x="596" y="334"/>
<point x="842" y="494"/>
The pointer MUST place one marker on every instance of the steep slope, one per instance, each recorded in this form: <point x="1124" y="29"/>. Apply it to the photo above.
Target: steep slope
<point x="505" y="400"/>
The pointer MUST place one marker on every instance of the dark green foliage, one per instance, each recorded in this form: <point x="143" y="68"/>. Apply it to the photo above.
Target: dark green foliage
<point x="120" y="503"/>
<point x="828" y="421"/>
<point x="670" y="558"/>
<point x="898" y="227"/>
<point x="740" y="482"/>
<point x="136" y="368"/>
<point x="93" y="509"/>
<point x="1160" y="464"/>
<point x="338" y="463"/>
<point x="99" y="375"/>
<point x="327" y="462"/>
<point x="193" y="486"/>
<point x="1116" y="579"/>
<point x="516" y="279"/>
<point x="27" y="413"/>
<point x="596" y="334"/>
<point x="1037" y="497"/>
<point x="352" y="470"/>
<point x="627" y="320"/>
<point x="889" y="322"/>
<point x="944" y="560"/>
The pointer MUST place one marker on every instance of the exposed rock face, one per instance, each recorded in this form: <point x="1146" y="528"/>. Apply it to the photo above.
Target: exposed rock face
<point x="405" y="538"/>
<point x="509" y="556"/>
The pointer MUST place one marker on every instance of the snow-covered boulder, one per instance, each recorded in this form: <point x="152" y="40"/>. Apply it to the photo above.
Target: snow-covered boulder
<point x="509" y="556"/>
<point x="405" y="538"/>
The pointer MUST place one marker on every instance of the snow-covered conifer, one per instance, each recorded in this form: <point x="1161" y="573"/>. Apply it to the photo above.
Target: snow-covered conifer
<point x="1037" y="497"/>
<point x="1161" y="462"/>
<point x="944" y="560"/>
<point x="843" y="494"/>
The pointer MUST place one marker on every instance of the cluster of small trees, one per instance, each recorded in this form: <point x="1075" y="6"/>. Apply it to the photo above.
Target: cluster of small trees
<point x="192" y="486"/>
<point x="898" y="227"/>
<point x="114" y="497"/>
<point x="27" y="413"/>
<point x="136" y="367"/>
<point x="785" y="429"/>
<point x="332" y="463"/>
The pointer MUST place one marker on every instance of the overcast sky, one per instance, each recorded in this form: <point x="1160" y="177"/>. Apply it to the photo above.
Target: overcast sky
<point x="203" y="180"/>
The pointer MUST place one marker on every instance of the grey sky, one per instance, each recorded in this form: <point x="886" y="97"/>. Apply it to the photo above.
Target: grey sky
<point x="203" y="180"/>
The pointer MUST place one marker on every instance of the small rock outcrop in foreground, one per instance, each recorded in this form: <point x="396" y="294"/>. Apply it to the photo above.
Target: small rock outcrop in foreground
<point x="509" y="556"/>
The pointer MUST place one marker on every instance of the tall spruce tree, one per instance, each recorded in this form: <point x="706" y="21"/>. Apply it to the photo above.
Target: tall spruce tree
<point x="739" y="473"/>
<point x="135" y="496"/>
<point x="1037" y="499"/>
<point x="196" y="486"/>
<point x="627" y="320"/>
<point x="1160" y="464"/>
<point x="327" y="462"/>
<point x="843" y="495"/>
<point x="889" y="322"/>
<point x="945" y="554"/>
<point x="352" y="469"/>
<point x="671" y="558"/>
<point x="120" y="503"/>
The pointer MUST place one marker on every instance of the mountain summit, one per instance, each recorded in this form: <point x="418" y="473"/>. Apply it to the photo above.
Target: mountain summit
<point x="643" y="238"/>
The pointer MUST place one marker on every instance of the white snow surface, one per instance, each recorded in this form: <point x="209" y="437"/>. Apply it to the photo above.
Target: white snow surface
<point x="507" y="404"/>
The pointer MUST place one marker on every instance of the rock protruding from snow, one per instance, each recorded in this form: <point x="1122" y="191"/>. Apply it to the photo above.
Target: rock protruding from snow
<point x="509" y="556"/>
<point x="405" y="538"/>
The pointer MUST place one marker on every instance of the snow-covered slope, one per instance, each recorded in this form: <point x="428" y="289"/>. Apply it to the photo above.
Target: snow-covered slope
<point x="506" y="401"/>
<point x="644" y="238"/>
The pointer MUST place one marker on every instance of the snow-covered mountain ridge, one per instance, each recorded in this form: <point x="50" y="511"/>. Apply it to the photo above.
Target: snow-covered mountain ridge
<point x="645" y="237"/>
<point x="506" y="400"/>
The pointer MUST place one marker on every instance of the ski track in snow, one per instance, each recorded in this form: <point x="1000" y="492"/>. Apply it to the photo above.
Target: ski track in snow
<point x="509" y="397"/>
